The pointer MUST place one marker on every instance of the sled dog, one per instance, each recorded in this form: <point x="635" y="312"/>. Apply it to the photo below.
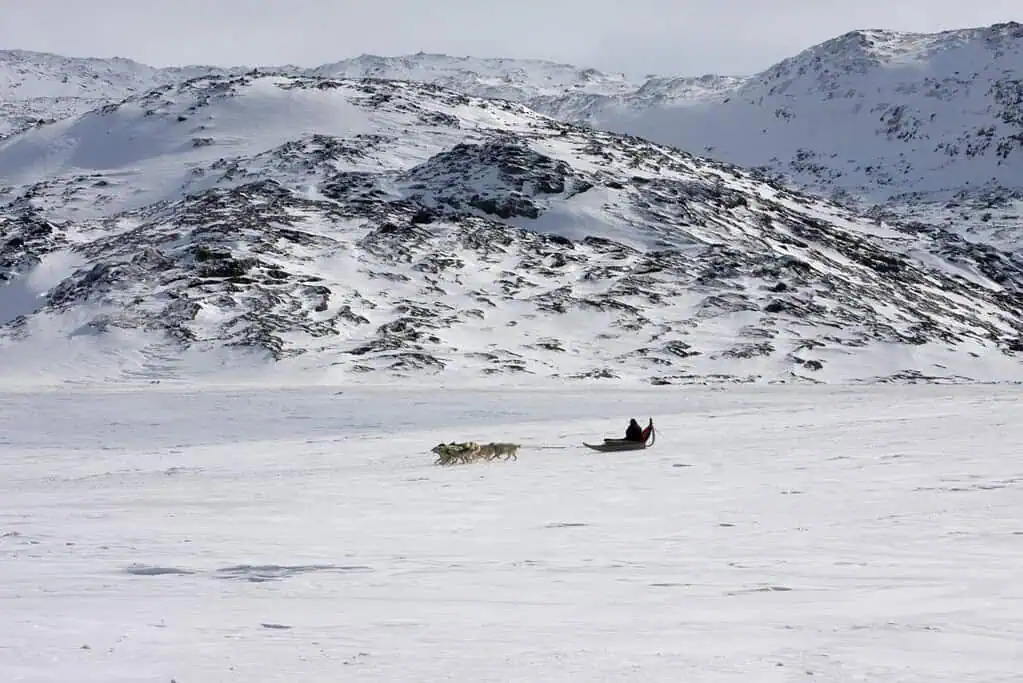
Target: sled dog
<point x="493" y="451"/>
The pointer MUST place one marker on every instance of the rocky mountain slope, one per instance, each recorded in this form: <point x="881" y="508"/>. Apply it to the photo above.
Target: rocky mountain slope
<point x="922" y="125"/>
<point x="360" y="228"/>
<point x="925" y="127"/>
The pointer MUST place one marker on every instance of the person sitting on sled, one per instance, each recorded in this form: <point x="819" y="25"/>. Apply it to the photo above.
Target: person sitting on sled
<point x="636" y="433"/>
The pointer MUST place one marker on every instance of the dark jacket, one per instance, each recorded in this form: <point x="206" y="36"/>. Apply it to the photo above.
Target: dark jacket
<point x="634" y="432"/>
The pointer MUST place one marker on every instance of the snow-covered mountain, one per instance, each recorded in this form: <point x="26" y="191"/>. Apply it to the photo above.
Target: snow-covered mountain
<point x="875" y="113"/>
<point x="924" y="127"/>
<point x="920" y="126"/>
<point x="521" y="80"/>
<point x="37" y="87"/>
<point x="43" y="87"/>
<point x="356" y="226"/>
<point x="928" y="126"/>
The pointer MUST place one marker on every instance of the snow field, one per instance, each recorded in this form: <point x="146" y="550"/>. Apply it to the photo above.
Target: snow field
<point x="773" y="533"/>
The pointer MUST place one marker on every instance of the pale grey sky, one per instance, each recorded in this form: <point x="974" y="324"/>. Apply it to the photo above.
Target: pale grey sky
<point x="690" y="37"/>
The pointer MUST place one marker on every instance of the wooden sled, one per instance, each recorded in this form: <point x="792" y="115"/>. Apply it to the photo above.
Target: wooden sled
<point x="615" y="445"/>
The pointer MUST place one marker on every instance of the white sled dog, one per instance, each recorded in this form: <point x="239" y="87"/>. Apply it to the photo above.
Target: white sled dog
<point x="493" y="451"/>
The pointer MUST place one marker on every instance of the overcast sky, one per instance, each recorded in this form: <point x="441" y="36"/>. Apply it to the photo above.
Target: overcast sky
<point x="688" y="37"/>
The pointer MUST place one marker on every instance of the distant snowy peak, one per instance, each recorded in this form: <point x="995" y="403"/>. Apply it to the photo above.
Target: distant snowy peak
<point x="888" y="47"/>
<point x="25" y="74"/>
<point x="516" y="79"/>
<point x="37" y="87"/>
<point x="871" y="115"/>
<point x="963" y="53"/>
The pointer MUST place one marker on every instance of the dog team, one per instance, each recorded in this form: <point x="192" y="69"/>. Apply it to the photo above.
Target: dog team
<point x="471" y="451"/>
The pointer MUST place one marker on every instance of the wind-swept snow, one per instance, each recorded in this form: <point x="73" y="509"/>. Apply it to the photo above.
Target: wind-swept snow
<point x="773" y="534"/>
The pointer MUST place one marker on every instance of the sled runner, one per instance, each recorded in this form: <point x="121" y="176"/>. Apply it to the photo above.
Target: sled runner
<point x="613" y="445"/>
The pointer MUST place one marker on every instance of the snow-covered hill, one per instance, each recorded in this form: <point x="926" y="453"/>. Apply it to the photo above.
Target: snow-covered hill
<point x="898" y="119"/>
<point x="37" y="87"/>
<point x="924" y="126"/>
<point x="519" y="80"/>
<point x="349" y="227"/>
<point x="44" y="87"/>
<point x="871" y="111"/>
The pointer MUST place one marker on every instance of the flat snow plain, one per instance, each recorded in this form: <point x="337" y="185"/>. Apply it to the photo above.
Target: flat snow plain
<point x="302" y="535"/>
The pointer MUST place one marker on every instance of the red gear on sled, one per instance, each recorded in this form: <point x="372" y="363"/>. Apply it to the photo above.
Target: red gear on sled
<point x="648" y="430"/>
